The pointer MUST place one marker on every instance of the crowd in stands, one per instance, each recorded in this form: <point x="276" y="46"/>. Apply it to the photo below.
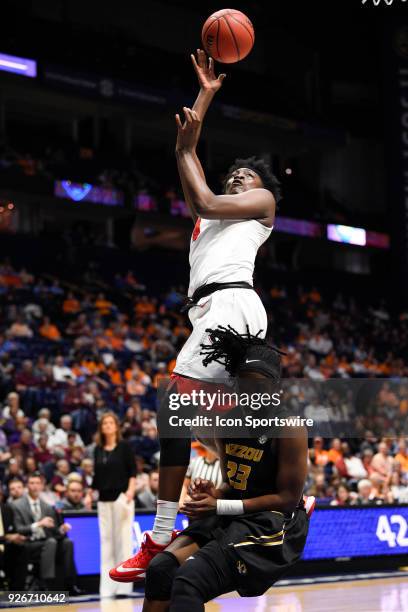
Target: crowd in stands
<point x="70" y="352"/>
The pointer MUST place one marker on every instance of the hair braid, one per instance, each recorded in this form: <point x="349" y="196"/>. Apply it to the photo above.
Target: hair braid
<point x="229" y="348"/>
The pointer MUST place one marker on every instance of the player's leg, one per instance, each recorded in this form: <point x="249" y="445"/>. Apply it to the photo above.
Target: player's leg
<point x="174" y="460"/>
<point x="204" y="575"/>
<point x="175" y="452"/>
<point x="161" y="571"/>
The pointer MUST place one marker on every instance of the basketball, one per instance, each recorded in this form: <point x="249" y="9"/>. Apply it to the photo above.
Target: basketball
<point x="228" y="36"/>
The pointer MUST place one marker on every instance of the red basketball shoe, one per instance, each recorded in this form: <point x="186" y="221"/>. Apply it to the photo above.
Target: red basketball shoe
<point x="135" y="568"/>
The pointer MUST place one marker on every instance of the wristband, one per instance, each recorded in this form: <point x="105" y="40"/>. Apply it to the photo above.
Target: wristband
<point x="230" y="507"/>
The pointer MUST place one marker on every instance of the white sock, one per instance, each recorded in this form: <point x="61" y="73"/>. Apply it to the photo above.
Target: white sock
<point x="164" y="521"/>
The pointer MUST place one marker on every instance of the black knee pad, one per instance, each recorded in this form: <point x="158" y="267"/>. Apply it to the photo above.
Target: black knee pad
<point x="160" y="575"/>
<point x="185" y="596"/>
<point x="200" y="579"/>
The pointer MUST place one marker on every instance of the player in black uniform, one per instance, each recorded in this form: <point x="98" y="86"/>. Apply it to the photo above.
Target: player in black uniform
<point x="246" y="534"/>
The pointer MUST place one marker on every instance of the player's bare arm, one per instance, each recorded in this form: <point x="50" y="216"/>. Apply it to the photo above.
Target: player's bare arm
<point x="209" y="85"/>
<point x="245" y="197"/>
<point x="291" y="476"/>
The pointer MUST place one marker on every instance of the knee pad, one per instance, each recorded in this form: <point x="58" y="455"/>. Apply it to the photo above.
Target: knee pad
<point x="160" y="575"/>
<point x="185" y="596"/>
<point x="201" y="579"/>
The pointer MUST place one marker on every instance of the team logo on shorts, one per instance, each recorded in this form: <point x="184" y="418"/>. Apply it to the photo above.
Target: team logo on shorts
<point x="263" y="439"/>
<point x="241" y="567"/>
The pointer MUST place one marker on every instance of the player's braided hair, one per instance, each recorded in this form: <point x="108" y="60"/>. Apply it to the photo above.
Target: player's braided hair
<point x="269" y="180"/>
<point x="229" y="348"/>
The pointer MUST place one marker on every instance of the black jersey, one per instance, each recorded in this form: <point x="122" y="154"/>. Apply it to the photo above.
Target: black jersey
<point x="251" y="466"/>
<point x="260" y="547"/>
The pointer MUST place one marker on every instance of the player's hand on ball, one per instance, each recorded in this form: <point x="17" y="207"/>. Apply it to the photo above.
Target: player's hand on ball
<point x="189" y="132"/>
<point x="204" y="69"/>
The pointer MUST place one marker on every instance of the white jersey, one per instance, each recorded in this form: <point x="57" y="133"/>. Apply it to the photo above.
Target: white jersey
<point x="224" y="250"/>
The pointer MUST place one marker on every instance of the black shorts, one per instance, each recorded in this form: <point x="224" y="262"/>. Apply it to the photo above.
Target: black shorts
<point x="258" y="548"/>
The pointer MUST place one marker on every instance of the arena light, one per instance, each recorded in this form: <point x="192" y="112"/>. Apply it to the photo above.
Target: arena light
<point x="145" y="203"/>
<point x="298" y="227"/>
<point x="179" y="208"/>
<point x="346" y="234"/>
<point x="76" y="191"/>
<point x="18" y="65"/>
<point x="85" y="192"/>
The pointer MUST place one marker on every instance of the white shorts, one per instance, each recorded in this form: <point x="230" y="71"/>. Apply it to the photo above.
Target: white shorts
<point x="235" y="307"/>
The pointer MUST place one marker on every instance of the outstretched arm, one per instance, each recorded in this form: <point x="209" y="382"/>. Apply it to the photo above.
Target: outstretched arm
<point x="254" y="204"/>
<point x="209" y="85"/>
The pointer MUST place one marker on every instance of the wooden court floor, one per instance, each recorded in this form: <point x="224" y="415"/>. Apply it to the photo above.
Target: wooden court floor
<point x="380" y="595"/>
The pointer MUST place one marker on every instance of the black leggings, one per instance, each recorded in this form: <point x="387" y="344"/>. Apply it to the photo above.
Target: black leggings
<point x="174" y="451"/>
<point x="202" y="577"/>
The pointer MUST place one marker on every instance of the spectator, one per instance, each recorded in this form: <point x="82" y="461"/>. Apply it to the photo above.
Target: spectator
<point x="25" y="446"/>
<point x="12" y="408"/>
<point x="60" y="479"/>
<point x="382" y="463"/>
<point x="42" y="425"/>
<point x="74" y="496"/>
<point x="86" y="469"/>
<point x="47" y="539"/>
<point x="49" y="331"/>
<point x="343" y="497"/>
<point x="379" y="489"/>
<point x="61" y="372"/>
<point x="60" y="437"/>
<point x="321" y="455"/>
<point x="14" y="470"/>
<point x="316" y="411"/>
<point x="369" y="442"/>
<point x="399" y="491"/>
<point x="42" y="453"/>
<point x="15" y="490"/>
<point x="30" y="466"/>
<point x="148" y="497"/>
<point x="4" y="452"/>
<point x="27" y="382"/>
<point x="335" y="452"/>
<point x="13" y="552"/>
<point x="20" y="329"/>
<point x="367" y="461"/>
<point x="131" y="424"/>
<point x="354" y="468"/>
<point x="402" y="457"/>
<point x="365" y="496"/>
<point x="311" y="370"/>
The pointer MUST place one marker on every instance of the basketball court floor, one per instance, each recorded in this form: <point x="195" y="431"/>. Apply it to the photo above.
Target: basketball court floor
<point x="373" y="595"/>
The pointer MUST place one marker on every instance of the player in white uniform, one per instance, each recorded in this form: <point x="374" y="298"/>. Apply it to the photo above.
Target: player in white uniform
<point x="228" y="231"/>
<point x="222" y="251"/>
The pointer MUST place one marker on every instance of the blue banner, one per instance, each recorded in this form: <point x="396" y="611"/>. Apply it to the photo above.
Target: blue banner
<point x="334" y="533"/>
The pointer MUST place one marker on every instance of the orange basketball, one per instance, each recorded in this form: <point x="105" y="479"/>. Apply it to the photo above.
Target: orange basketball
<point x="228" y="36"/>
